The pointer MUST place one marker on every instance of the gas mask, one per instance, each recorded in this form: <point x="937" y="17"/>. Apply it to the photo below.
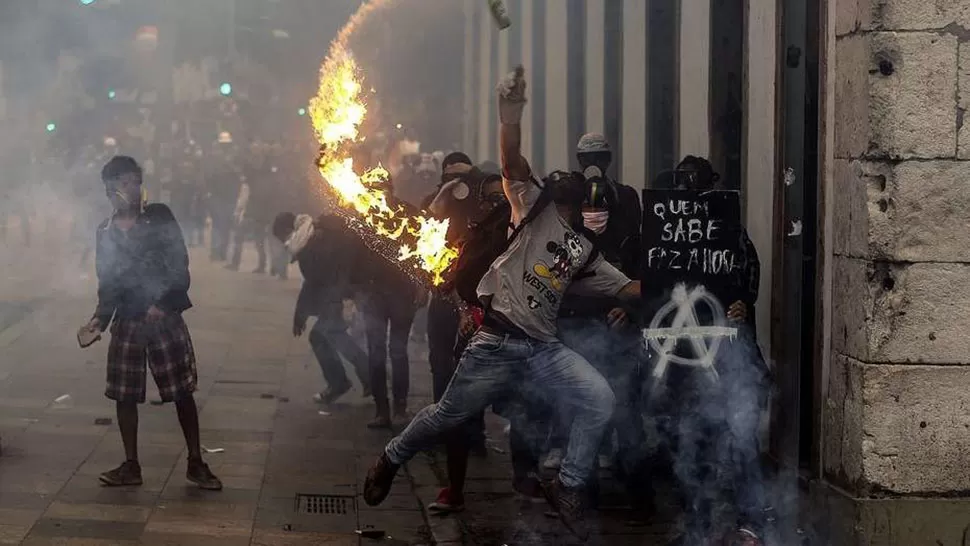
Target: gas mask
<point x="568" y="188"/>
<point x="568" y="191"/>
<point x="599" y="160"/>
<point x="599" y="195"/>
<point x="125" y="193"/>
<point x="467" y="194"/>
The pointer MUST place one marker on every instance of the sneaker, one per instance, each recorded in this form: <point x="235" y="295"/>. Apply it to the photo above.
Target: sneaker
<point x="568" y="504"/>
<point x="553" y="460"/>
<point x="129" y="473"/>
<point x="380" y="477"/>
<point x="447" y="503"/>
<point x="528" y="488"/>
<point x="331" y="395"/>
<point x="198" y="473"/>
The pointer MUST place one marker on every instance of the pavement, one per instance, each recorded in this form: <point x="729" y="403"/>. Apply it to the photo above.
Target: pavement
<point x="293" y="475"/>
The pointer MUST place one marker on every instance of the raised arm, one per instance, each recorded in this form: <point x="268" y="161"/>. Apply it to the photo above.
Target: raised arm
<point x="511" y="104"/>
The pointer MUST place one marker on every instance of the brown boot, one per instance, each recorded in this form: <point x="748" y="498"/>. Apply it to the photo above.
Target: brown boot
<point x="568" y="503"/>
<point x="379" y="480"/>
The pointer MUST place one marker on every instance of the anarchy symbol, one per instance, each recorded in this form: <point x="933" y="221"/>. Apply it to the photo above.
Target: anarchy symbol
<point x="705" y="340"/>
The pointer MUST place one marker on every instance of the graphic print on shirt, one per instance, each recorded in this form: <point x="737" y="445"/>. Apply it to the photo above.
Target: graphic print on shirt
<point x="565" y="258"/>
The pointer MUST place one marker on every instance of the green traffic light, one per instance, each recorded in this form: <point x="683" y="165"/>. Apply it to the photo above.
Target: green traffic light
<point x="112" y="94"/>
<point x="225" y="89"/>
<point x="87" y="2"/>
<point x="301" y="111"/>
<point x="51" y="127"/>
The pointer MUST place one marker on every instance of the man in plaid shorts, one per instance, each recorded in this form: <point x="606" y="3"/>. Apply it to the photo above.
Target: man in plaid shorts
<point x="143" y="282"/>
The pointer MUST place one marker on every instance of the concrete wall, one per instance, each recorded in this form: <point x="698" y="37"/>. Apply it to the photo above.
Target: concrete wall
<point x="761" y="46"/>
<point x="896" y="400"/>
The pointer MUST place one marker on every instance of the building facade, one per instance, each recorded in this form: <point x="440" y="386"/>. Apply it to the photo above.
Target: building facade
<point x="645" y="74"/>
<point x="841" y="122"/>
<point x="895" y="386"/>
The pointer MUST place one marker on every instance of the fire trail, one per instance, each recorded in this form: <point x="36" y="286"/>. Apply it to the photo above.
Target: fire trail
<point x="413" y="239"/>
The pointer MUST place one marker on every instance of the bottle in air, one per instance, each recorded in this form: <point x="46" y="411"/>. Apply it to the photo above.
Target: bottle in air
<point x="500" y="13"/>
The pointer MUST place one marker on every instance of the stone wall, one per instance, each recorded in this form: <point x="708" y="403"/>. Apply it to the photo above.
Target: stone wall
<point x="896" y="414"/>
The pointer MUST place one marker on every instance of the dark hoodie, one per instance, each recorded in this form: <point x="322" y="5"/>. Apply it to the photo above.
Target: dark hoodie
<point x="328" y="264"/>
<point x="146" y="266"/>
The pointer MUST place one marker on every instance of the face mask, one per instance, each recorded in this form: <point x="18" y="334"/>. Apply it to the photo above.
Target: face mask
<point x="127" y="198"/>
<point x="596" y="221"/>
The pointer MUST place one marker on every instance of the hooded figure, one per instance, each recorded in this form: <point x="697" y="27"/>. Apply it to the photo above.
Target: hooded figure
<point x="327" y="254"/>
<point x="610" y="209"/>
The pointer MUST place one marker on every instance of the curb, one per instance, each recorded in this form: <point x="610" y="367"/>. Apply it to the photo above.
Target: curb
<point x="445" y="530"/>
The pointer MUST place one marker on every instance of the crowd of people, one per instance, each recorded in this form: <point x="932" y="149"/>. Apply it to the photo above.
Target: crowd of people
<point x="241" y="187"/>
<point x="539" y="319"/>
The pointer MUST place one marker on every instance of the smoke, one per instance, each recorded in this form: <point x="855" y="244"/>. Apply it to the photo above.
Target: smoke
<point x="709" y="427"/>
<point x="411" y="54"/>
<point x="705" y="428"/>
<point x="51" y="209"/>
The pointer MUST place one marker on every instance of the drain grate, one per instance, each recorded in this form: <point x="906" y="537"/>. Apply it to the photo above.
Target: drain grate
<point x="325" y="505"/>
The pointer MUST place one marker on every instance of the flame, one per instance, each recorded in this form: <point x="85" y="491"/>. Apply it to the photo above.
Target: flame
<point x="337" y="113"/>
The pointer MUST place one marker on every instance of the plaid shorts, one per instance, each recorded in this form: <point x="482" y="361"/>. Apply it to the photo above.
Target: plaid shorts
<point x="167" y="349"/>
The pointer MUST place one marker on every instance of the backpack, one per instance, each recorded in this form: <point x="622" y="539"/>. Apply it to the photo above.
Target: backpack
<point x="489" y="239"/>
<point x="486" y="241"/>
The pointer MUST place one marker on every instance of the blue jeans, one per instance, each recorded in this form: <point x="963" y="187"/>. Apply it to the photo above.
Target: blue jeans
<point x="330" y="341"/>
<point x="489" y="369"/>
<point x="617" y="354"/>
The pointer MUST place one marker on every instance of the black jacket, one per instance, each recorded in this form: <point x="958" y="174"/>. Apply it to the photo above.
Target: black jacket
<point x="337" y="265"/>
<point x="620" y="243"/>
<point x="146" y="266"/>
<point x="328" y="264"/>
<point x="749" y="279"/>
<point x="378" y="277"/>
<point x="375" y="275"/>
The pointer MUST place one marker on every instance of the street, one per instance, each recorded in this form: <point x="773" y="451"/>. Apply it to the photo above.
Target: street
<point x="264" y="437"/>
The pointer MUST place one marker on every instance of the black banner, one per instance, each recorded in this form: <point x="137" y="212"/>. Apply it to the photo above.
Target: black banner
<point x="691" y="238"/>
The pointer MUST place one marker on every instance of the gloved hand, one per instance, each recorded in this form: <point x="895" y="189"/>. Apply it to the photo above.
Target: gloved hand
<point x="511" y="97"/>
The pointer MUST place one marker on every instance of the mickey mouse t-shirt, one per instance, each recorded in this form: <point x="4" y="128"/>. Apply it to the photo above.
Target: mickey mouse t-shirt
<point x="527" y="282"/>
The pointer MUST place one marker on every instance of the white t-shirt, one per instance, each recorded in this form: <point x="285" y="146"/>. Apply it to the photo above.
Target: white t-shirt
<point x="527" y="282"/>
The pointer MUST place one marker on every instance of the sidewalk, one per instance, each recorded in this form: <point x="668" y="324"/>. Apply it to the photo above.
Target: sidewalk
<point x="255" y="386"/>
<point x="495" y="516"/>
<point x="256" y="381"/>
